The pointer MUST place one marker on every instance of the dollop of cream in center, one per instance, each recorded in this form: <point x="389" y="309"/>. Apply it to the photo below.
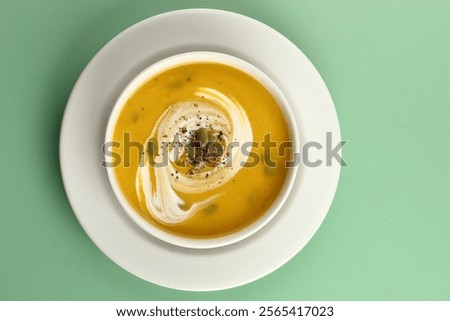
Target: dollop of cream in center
<point x="161" y="184"/>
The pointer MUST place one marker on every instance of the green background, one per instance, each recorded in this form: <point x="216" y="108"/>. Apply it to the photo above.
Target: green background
<point x="387" y="65"/>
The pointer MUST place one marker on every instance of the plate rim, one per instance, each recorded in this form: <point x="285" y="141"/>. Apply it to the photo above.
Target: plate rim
<point x="66" y="119"/>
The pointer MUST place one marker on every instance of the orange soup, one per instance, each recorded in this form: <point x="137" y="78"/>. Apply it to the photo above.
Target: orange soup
<point x="192" y="159"/>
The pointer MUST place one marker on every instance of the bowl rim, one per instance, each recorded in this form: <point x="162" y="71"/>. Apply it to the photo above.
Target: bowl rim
<point x="197" y="57"/>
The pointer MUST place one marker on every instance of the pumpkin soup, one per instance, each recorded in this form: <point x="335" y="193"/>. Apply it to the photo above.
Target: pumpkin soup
<point x="203" y="170"/>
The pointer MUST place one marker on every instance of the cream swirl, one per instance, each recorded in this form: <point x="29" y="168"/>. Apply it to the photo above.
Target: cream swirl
<point x="161" y="183"/>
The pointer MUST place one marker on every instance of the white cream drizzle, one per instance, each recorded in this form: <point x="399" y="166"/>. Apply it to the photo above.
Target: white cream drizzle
<point x="164" y="197"/>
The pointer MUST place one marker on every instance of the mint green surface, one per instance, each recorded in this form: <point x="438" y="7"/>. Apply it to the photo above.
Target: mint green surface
<point x="387" y="65"/>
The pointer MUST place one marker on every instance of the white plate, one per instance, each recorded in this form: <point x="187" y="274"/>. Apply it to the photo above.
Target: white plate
<point x="83" y="130"/>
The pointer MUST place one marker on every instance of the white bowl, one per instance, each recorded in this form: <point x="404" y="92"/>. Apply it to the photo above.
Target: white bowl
<point x="203" y="56"/>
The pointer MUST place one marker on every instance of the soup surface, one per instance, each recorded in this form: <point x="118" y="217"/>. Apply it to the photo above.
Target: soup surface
<point x="192" y="157"/>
